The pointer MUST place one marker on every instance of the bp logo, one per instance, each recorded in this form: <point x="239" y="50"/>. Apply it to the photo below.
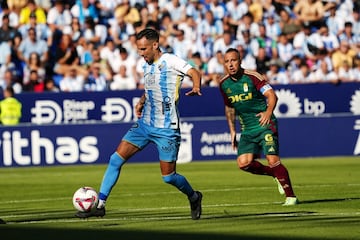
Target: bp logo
<point x="355" y="103"/>
<point x="288" y="104"/>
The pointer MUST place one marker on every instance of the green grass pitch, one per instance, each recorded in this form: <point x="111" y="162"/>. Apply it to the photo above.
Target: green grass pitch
<point x="36" y="202"/>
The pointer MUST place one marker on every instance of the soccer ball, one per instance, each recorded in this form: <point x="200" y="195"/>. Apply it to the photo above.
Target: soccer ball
<point x="85" y="199"/>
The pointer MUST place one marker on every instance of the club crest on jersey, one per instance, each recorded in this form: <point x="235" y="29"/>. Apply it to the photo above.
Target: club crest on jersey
<point x="245" y="87"/>
<point x="161" y="66"/>
<point x="228" y="90"/>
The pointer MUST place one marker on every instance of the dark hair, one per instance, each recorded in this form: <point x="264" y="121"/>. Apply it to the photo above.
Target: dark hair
<point x="233" y="50"/>
<point x="149" y="34"/>
<point x="10" y="90"/>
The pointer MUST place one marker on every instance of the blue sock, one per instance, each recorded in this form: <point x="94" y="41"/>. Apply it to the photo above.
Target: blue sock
<point x="179" y="182"/>
<point x="111" y="175"/>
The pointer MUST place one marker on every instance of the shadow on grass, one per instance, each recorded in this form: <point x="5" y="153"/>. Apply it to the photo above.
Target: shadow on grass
<point x="328" y="200"/>
<point x="28" y="233"/>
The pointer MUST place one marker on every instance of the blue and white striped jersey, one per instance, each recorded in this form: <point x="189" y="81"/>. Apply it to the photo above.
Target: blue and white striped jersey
<point x="163" y="81"/>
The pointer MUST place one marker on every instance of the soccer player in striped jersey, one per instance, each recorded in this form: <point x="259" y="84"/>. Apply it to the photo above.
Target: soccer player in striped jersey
<point x="248" y="96"/>
<point x="158" y="121"/>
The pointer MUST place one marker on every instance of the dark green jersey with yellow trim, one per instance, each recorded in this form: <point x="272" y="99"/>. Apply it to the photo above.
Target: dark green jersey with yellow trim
<point x="245" y="94"/>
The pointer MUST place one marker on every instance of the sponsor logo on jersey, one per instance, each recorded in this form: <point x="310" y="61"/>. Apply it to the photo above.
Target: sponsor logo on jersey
<point x="240" y="97"/>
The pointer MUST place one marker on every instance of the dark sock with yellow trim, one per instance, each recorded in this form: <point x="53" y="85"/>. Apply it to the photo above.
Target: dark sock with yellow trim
<point x="282" y="174"/>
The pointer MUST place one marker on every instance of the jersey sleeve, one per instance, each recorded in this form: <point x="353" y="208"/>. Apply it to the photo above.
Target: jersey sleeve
<point x="225" y="98"/>
<point x="259" y="81"/>
<point x="178" y="63"/>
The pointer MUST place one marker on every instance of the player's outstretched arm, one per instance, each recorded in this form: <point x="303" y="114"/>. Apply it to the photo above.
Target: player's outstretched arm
<point x="195" y="75"/>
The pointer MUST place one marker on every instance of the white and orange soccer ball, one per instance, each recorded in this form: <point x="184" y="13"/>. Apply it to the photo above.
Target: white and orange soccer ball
<point x="85" y="199"/>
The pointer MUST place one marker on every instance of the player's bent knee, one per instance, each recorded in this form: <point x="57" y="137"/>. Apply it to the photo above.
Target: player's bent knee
<point x="116" y="160"/>
<point x="169" y="179"/>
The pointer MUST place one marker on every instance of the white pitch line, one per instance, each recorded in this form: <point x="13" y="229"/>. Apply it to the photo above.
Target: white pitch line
<point x="176" y="192"/>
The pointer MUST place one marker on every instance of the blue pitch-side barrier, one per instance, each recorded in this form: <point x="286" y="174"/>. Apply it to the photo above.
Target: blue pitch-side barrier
<point x="85" y="128"/>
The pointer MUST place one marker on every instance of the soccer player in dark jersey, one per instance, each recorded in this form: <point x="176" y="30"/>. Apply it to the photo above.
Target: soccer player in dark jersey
<point x="248" y="96"/>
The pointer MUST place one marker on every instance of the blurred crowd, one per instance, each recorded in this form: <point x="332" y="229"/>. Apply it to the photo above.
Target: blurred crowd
<point x="89" y="45"/>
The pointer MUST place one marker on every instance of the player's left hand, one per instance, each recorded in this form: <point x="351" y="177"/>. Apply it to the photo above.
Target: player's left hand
<point x="264" y="118"/>
<point x="194" y="92"/>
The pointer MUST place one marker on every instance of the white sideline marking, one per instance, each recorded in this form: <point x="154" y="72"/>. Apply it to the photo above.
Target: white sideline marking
<point x="176" y="192"/>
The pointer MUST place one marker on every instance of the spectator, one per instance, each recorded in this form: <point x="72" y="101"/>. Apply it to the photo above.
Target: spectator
<point x="204" y="46"/>
<point x="182" y="46"/>
<point x="130" y="13"/>
<point x="288" y="25"/>
<point x="122" y="81"/>
<point x="94" y="33"/>
<point x="215" y="69"/>
<point x="322" y="74"/>
<point x="95" y="81"/>
<point x="128" y="61"/>
<point x="346" y="73"/>
<point x="189" y="28"/>
<point x="356" y="68"/>
<point x="41" y="29"/>
<point x="121" y="30"/>
<point x="201" y="66"/>
<point x="66" y="57"/>
<point x="247" y="25"/>
<point x="9" y="80"/>
<point x="111" y="54"/>
<point x="167" y="27"/>
<point x="248" y="60"/>
<point x="105" y="68"/>
<point x="261" y="61"/>
<point x="7" y="33"/>
<point x="276" y="75"/>
<point x="285" y="49"/>
<point x="13" y="16"/>
<point x="34" y="84"/>
<point x="5" y="53"/>
<point x="193" y="10"/>
<point x="209" y="26"/>
<point x="32" y="8"/>
<point x="306" y="43"/>
<point x="106" y="10"/>
<point x="75" y="30"/>
<point x="302" y="75"/>
<point x="334" y="22"/>
<point x="257" y="10"/>
<point x="83" y="9"/>
<point x="265" y="42"/>
<point x="84" y="49"/>
<point x="32" y="44"/>
<point x="330" y="40"/>
<point x="310" y="12"/>
<point x="10" y="108"/>
<point x="342" y="56"/>
<point x="224" y="42"/>
<point x="49" y="85"/>
<point x="33" y="63"/>
<point x="324" y="56"/>
<point x="18" y="64"/>
<point x="273" y="27"/>
<point x="176" y="9"/>
<point x="242" y="9"/>
<point x="73" y="81"/>
<point x="349" y="36"/>
<point x="58" y="18"/>
<point x="294" y="64"/>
